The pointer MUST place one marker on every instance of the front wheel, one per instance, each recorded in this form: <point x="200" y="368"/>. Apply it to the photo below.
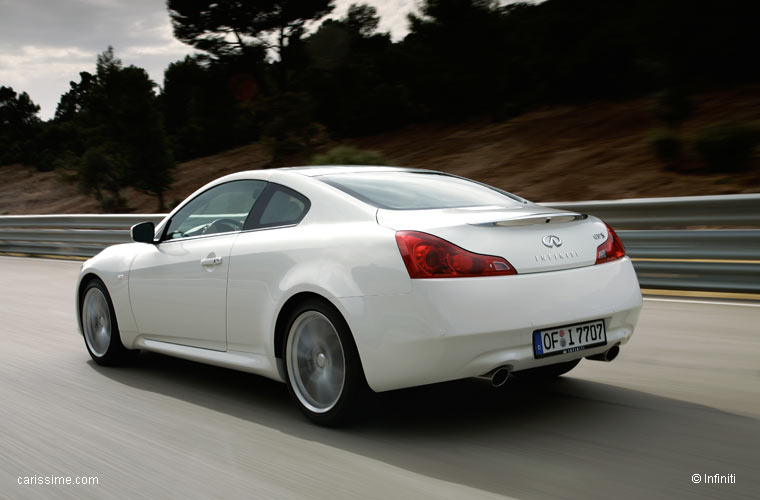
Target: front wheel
<point x="99" y="327"/>
<point x="324" y="374"/>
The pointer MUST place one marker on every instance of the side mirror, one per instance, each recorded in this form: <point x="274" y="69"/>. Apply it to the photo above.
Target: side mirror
<point x="143" y="232"/>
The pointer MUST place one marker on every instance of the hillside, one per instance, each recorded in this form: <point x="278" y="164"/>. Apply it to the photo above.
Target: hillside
<point x="591" y="151"/>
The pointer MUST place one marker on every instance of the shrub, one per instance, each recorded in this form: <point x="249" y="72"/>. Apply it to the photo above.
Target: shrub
<point x="348" y="155"/>
<point x="672" y="106"/>
<point x="665" y="144"/>
<point x="727" y="147"/>
<point x="286" y="147"/>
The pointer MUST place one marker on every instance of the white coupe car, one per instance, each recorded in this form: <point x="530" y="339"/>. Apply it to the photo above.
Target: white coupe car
<point x="340" y="281"/>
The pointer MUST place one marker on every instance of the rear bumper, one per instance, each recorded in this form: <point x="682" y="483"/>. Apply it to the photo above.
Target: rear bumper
<point x="448" y="329"/>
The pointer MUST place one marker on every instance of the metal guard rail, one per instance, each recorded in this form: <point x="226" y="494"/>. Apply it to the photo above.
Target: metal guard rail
<point x="731" y="210"/>
<point x="724" y="260"/>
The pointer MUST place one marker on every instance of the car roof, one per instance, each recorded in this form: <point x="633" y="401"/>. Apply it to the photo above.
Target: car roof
<point x="313" y="171"/>
<point x="317" y="170"/>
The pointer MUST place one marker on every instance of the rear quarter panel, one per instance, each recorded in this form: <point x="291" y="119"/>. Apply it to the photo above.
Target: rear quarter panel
<point x="338" y="250"/>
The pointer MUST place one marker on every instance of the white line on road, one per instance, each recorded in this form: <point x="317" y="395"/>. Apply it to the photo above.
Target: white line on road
<point x="685" y="301"/>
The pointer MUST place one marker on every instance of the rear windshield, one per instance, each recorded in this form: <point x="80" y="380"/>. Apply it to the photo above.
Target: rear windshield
<point x="418" y="191"/>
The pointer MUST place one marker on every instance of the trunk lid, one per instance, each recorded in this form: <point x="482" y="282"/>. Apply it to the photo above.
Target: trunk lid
<point x="531" y="237"/>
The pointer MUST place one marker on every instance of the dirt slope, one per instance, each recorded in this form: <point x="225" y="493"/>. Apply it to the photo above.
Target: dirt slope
<point x="592" y="151"/>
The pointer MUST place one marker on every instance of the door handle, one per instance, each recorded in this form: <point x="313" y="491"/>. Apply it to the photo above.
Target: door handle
<point x="211" y="261"/>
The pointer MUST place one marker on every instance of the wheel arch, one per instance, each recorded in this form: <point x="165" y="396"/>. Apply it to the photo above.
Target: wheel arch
<point x="286" y="310"/>
<point x="85" y="280"/>
<point x="289" y="306"/>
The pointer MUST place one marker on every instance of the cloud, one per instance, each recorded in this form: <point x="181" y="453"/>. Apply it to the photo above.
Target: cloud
<point x="33" y="57"/>
<point x="46" y="44"/>
<point x="43" y="72"/>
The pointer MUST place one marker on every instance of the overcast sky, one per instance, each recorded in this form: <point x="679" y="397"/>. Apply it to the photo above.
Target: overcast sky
<point x="44" y="44"/>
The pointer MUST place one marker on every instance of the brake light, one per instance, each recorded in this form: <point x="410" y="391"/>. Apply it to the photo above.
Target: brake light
<point x="612" y="249"/>
<point x="427" y="256"/>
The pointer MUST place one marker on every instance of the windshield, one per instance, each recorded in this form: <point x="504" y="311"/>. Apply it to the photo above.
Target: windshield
<point x="418" y="190"/>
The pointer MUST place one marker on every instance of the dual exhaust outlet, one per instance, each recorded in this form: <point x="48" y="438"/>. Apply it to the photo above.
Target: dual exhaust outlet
<point x="499" y="376"/>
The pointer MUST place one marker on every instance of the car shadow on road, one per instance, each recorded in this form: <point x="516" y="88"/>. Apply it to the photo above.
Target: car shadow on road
<point x="529" y="441"/>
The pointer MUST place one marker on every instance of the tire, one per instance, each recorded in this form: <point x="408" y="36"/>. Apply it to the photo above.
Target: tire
<point x="323" y="371"/>
<point x="100" y="328"/>
<point x="549" y="372"/>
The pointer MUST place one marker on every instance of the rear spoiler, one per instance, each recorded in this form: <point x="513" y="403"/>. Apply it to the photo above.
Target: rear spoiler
<point x="527" y="220"/>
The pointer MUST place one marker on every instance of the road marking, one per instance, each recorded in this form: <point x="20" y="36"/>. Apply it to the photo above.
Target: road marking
<point x="686" y="301"/>
<point x="701" y="294"/>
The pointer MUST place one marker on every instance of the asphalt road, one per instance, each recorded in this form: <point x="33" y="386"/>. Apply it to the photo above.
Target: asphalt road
<point x="682" y="398"/>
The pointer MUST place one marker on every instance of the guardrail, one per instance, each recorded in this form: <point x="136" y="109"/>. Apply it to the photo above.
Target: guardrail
<point x="668" y="213"/>
<point x="669" y="249"/>
<point x="67" y="235"/>
<point x="680" y="257"/>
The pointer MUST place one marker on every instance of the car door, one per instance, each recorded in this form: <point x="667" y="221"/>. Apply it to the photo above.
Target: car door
<point x="260" y="259"/>
<point x="178" y="287"/>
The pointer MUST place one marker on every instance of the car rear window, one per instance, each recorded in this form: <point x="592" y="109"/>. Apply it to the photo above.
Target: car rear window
<point x="418" y="191"/>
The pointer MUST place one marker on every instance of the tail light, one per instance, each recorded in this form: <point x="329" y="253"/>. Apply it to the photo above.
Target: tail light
<point x="612" y="249"/>
<point x="427" y="256"/>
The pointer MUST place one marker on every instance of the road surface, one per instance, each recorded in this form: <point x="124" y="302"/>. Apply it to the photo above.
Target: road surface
<point x="683" y="398"/>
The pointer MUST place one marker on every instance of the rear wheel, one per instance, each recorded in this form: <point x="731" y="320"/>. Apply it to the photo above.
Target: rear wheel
<point x="324" y="374"/>
<point x="543" y="373"/>
<point x="99" y="327"/>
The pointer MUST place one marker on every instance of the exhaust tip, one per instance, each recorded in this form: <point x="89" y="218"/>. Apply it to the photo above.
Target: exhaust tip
<point x="612" y="353"/>
<point x="607" y="355"/>
<point x="500" y="377"/>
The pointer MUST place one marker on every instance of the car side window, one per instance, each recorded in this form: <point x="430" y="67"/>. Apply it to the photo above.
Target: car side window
<point x="221" y="209"/>
<point x="284" y="207"/>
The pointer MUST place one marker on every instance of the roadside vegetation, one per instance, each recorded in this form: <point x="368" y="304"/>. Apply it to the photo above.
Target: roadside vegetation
<point x="260" y="76"/>
<point x="348" y="155"/>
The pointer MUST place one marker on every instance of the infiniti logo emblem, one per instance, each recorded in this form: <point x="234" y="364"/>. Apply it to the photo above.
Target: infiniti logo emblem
<point x="551" y="241"/>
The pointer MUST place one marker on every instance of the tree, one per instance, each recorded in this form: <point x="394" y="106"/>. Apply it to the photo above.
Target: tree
<point x="225" y="27"/>
<point x="116" y="115"/>
<point x="139" y="130"/>
<point x="362" y="18"/>
<point x="102" y="169"/>
<point x="207" y="107"/>
<point x="17" y="109"/>
<point x="456" y="58"/>
<point x="72" y="101"/>
<point x="18" y="125"/>
<point x="352" y="74"/>
<point x="461" y="58"/>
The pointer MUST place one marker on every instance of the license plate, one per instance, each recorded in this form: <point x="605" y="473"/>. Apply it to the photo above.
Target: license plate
<point x="570" y="338"/>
